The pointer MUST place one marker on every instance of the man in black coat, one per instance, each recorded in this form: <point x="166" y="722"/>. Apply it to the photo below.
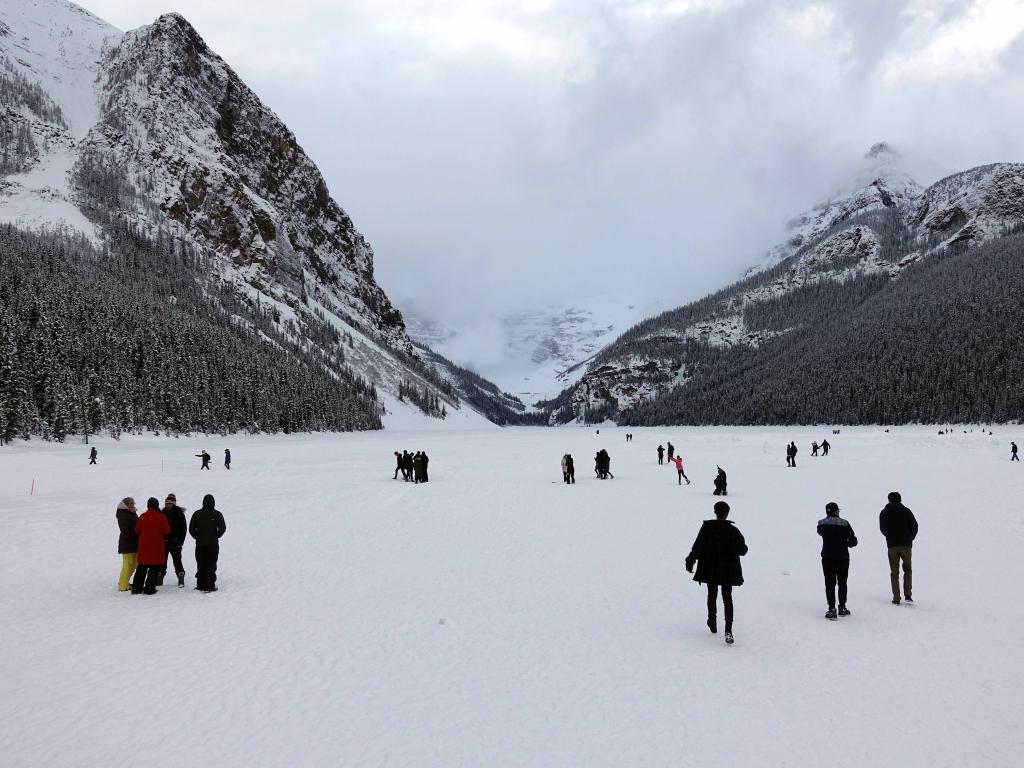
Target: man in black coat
<point x="92" y="455"/>
<point x="721" y="483"/>
<point x="207" y="526"/>
<point x="1013" y="452"/>
<point x="661" y="455"/>
<point x="426" y="465"/>
<point x="836" y="539"/>
<point x="899" y="526"/>
<point x="716" y="552"/>
<point x="179" y="532"/>
<point x="399" y="467"/>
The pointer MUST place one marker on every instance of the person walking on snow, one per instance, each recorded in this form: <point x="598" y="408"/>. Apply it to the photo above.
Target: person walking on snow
<point x="824" y="447"/>
<point x="206" y="459"/>
<point x="716" y="552"/>
<point x="152" y="528"/>
<point x="206" y="527"/>
<point x="671" y="451"/>
<point x="398" y="464"/>
<point x="899" y="526"/>
<point x="814" y="448"/>
<point x="127" y="541"/>
<point x="661" y="455"/>
<point x="837" y="537"/>
<point x="680" y="474"/>
<point x="179" y="532"/>
<point x="227" y="459"/>
<point x="1013" y="452"/>
<point x="721" y="481"/>
<point x="92" y="455"/>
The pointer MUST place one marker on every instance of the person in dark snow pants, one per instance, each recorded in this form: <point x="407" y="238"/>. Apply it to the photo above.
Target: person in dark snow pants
<point x="127" y="541"/>
<point x="206" y="459"/>
<point x="227" y="459"/>
<point x="814" y="449"/>
<point x="398" y="465"/>
<point x="899" y="526"/>
<point x="179" y="532"/>
<point x="570" y="469"/>
<point x="671" y="451"/>
<point x="824" y="447"/>
<point x="680" y="474"/>
<point x="426" y="464"/>
<point x="837" y="537"/>
<point x="1013" y="452"/>
<point x="565" y="468"/>
<point x="206" y="527"/>
<point x="417" y="468"/>
<point x="716" y="552"/>
<point x="92" y="455"/>
<point x="152" y="529"/>
<point x="407" y="472"/>
<point x="721" y="487"/>
<point x="661" y="455"/>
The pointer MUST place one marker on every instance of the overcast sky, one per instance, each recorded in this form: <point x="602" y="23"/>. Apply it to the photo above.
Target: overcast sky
<point x="501" y="153"/>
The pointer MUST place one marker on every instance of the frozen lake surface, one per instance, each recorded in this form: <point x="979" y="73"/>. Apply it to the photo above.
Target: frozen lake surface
<point x="496" y="617"/>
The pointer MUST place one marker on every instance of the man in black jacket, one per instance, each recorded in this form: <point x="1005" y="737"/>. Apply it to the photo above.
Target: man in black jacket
<point x="716" y="552"/>
<point x="207" y="526"/>
<point x="899" y="527"/>
<point x="836" y="539"/>
<point x="179" y="532"/>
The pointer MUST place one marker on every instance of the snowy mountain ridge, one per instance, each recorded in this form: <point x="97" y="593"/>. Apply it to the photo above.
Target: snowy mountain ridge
<point x="152" y="130"/>
<point x="841" y="252"/>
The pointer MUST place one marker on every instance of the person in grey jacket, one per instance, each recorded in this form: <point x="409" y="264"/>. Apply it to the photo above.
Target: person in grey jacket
<point x="837" y="537"/>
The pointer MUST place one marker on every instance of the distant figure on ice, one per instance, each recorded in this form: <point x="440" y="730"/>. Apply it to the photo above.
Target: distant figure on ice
<point x="407" y="466"/>
<point x="671" y="451"/>
<point x="179" y="532"/>
<point x="836" y="539"/>
<point x="565" y="468"/>
<point x="680" y="474"/>
<point x="426" y="463"/>
<point x="227" y="459"/>
<point x="603" y="465"/>
<point x="721" y="483"/>
<point x="814" y="448"/>
<point x="152" y="527"/>
<point x="661" y="455"/>
<point x="206" y="527"/>
<point x="1013" y="452"/>
<point x="417" y="467"/>
<point x="716" y="552"/>
<point x="570" y="469"/>
<point x="398" y="464"/>
<point x="824" y="447"/>
<point x="899" y="526"/>
<point x="206" y="459"/>
<point x="791" y="451"/>
<point x="127" y="541"/>
<point x="92" y="455"/>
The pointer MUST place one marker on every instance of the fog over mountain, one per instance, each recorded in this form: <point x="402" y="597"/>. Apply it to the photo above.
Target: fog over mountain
<point x="502" y="156"/>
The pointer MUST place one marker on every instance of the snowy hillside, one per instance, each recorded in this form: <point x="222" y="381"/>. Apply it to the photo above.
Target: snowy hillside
<point x="150" y="130"/>
<point x="844" y="259"/>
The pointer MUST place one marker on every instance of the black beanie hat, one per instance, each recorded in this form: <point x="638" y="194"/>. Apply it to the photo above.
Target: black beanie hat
<point x="153" y="503"/>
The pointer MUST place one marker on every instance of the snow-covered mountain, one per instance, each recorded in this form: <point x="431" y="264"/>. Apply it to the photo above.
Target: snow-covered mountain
<point x="837" y="257"/>
<point x="531" y="353"/>
<point x="150" y="129"/>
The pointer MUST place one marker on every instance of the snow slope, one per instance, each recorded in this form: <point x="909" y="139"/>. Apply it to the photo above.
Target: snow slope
<point x="500" y="618"/>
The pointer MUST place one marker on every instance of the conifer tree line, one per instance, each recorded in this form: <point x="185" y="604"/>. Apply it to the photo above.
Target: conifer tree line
<point x="128" y="339"/>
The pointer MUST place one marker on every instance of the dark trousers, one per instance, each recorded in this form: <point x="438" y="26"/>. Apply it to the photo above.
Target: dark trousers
<point x="720" y="490"/>
<point x="174" y="553"/>
<point x="397" y="470"/>
<point x="206" y="465"/>
<point x="1015" y="457"/>
<point x="682" y="476"/>
<point x="425" y="479"/>
<point x="92" y="459"/>
<point x="206" y="566"/>
<point x="835" y="571"/>
<point x="661" y="459"/>
<point x="726" y="601"/>
<point x="145" y="580"/>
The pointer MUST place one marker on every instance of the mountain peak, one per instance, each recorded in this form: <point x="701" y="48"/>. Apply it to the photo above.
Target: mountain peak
<point x="882" y="150"/>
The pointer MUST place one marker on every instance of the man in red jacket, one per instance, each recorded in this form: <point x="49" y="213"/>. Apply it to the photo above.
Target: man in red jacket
<point x="151" y="528"/>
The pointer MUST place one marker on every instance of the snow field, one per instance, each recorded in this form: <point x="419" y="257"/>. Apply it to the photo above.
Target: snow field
<point x="495" y="617"/>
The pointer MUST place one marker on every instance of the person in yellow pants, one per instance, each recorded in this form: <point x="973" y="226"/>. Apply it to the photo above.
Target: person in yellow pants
<point x="127" y="542"/>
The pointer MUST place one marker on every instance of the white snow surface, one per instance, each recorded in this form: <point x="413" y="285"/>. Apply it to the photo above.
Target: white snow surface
<point x="498" y="617"/>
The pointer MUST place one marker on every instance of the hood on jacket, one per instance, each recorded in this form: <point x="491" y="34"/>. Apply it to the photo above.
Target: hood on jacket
<point x="208" y="502"/>
<point x="125" y="502"/>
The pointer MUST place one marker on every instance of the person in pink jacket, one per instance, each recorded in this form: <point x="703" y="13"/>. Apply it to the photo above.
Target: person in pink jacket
<point x="678" y="461"/>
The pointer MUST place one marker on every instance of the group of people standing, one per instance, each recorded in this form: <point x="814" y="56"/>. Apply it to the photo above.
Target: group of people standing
<point x="146" y="541"/>
<point x="603" y="465"/>
<point x="719" y="545"/>
<point x="413" y="466"/>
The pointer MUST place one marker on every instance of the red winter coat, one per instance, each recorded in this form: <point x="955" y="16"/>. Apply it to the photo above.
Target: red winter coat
<point x="152" y="527"/>
<point x="678" y="461"/>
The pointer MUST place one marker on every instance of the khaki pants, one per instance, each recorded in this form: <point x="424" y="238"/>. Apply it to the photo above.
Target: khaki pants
<point x="128" y="565"/>
<point x="895" y="555"/>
